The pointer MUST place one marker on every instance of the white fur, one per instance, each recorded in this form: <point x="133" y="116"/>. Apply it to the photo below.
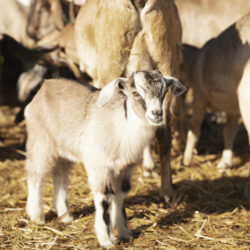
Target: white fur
<point x="117" y="219"/>
<point x="106" y="140"/>
<point x="226" y="160"/>
<point x="188" y="154"/>
<point x="102" y="232"/>
<point x="155" y="106"/>
<point x="34" y="202"/>
<point x="148" y="162"/>
<point x="26" y="3"/>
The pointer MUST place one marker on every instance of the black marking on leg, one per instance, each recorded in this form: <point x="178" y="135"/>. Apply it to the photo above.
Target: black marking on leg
<point x="108" y="190"/>
<point x="126" y="185"/>
<point x="124" y="212"/>
<point x="106" y="217"/>
<point x="125" y="109"/>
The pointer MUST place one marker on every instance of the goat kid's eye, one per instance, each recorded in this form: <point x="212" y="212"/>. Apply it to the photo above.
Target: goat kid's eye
<point x="135" y="94"/>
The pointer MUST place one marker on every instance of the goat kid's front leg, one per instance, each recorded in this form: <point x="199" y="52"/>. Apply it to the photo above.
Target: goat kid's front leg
<point x="103" y="227"/>
<point x="118" y="212"/>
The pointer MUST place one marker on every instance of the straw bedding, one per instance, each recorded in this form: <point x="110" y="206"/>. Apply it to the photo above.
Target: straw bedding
<point x="211" y="212"/>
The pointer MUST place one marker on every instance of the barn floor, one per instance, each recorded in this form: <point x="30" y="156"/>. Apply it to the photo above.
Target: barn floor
<point x="211" y="212"/>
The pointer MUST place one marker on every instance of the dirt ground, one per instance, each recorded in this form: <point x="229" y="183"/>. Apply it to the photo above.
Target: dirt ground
<point x="211" y="213"/>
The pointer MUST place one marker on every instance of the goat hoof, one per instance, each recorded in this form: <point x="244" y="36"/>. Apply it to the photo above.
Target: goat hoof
<point x="128" y="236"/>
<point x="39" y="220"/>
<point x="113" y="239"/>
<point x="154" y="174"/>
<point x="106" y="243"/>
<point x="67" y="219"/>
<point x="170" y="198"/>
<point x="185" y="162"/>
<point x="150" y="173"/>
<point x="222" y="166"/>
<point x="146" y="173"/>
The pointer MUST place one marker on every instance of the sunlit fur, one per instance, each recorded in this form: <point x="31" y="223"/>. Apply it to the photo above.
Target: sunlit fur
<point x="65" y="125"/>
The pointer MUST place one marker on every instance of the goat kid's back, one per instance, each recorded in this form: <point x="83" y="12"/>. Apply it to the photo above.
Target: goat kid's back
<point x="68" y="111"/>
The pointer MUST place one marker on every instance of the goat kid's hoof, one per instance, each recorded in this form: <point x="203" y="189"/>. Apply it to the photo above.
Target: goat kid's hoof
<point x="127" y="237"/>
<point x="113" y="239"/>
<point x="66" y="219"/>
<point x="185" y="162"/>
<point x="150" y="173"/>
<point x="106" y="243"/>
<point x="39" y="220"/>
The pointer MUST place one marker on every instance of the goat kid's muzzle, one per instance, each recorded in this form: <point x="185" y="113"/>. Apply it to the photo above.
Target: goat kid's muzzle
<point x="154" y="112"/>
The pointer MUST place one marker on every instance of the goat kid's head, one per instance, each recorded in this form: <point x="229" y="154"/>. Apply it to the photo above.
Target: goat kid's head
<point x="146" y="91"/>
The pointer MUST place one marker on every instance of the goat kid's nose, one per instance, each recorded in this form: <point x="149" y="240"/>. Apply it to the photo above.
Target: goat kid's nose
<point x="157" y="113"/>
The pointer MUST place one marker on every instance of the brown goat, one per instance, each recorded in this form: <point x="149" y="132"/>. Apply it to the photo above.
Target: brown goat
<point x="204" y="19"/>
<point x="219" y="76"/>
<point x="115" y="38"/>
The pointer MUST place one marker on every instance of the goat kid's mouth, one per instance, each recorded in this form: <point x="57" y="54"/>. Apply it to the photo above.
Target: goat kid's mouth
<point x="155" y="121"/>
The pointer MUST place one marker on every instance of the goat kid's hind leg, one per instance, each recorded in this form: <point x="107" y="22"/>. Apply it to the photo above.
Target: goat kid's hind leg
<point x="229" y="131"/>
<point x="118" y="212"/>
<point x="38" y="164"/>
<point x="60" y="179"/>
<point x="34" y="208"/>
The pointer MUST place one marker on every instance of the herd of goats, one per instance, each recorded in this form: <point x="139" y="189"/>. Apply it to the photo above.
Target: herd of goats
<point x="142" y="57"/>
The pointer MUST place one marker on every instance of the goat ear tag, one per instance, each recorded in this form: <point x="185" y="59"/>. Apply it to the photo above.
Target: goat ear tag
<point x="107" y="92"/>
<point x="175" y="86"/>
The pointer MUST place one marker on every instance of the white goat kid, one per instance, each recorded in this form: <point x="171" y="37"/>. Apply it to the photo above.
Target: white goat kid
<point x="106" y="130"/>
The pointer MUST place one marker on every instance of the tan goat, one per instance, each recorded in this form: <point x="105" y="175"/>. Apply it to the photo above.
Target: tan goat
<point x="31" y="20"/>
<point x="13" y="21"/>
<point x="204" y="19"/>
<point x="115" y="38"/>
<point x="45" y="25"/>
<point x="64" y="55"/>
<point x="219" y="76"/>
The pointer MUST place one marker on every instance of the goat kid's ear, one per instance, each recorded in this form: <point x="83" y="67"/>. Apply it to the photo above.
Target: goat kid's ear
<point x="175" y="85"/>
<point x="107" y="92"/>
